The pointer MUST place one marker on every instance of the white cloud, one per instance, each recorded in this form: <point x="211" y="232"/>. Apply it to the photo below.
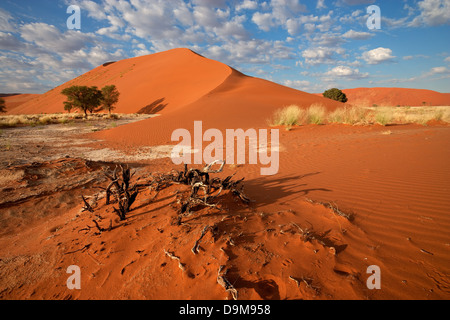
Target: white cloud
<point x="346" y="73"/>
<point x="94" y="9"/>
<point x="378" y="55"/>
<point x="284" y="13"/>
<point x="303" y="85"/>
<point x="5" y="24"/>
<point x="247" y="5"/>
<point x="321" y="55"/>
<point x="321" y="4"/>
<point x="264" y="21"/>
<point x="49" y="38"/>
<point x="356" y="35"/>
<point x="9" y="42"/>
<point x="432" y="13"/>
<point x="354" y="2"/>
<point x="438" y="70"/>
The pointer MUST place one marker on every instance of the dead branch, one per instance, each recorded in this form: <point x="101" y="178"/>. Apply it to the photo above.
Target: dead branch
<point x="195" y="247"/>
<point x="173" y="257"/>
<point x="124" y="193"/>
<point x="225" y="283"/>
<point x="87" y="206"/>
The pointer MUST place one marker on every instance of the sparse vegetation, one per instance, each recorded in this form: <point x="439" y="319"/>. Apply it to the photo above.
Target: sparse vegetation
<point x="348" y="115"/>
<point x="59" y="118"/>
<point x="2" y="105"/>
<point x="288" y="116"/>
<point x="315" y="114"/>
<point x="355" y="115"/>
<point x="384" y="116"/>
<point x="110" y="96"/>
<point x="83" y="98"/>
<point x="335" y="94"/>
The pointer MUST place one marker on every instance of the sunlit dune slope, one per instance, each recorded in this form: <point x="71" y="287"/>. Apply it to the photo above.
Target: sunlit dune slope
<point x="396" y="96"/>
<point x="172" y="78"/>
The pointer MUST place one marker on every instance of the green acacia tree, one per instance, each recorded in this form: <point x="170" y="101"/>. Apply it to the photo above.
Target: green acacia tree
<point x="2" y="105"/>
<point x="83" y="97"/>
<point x="110" y="96"/>
<point x="68" y="106"/>
<point x="335" y="94"/>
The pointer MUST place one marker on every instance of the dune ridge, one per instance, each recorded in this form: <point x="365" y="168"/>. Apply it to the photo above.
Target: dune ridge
<point x="236" y="101"/>
<point x="172" y="78"/>
<point x="396" y="96"/>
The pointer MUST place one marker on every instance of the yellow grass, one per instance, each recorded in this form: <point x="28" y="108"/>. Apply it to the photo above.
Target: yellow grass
<point x="44" y="119"/>
<point x="348" y="115"/>
<point x="315" y="114"/>
<point x="358" y="115"/>
<point x="288" y="116"/>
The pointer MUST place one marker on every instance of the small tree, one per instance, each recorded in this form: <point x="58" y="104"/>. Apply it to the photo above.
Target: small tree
<point x="2" y="105"/>
<point x="110" y="97"/>
<point x="68" y="106"/>
<point x="335" y="94"/>
<point x="83" y="98"/>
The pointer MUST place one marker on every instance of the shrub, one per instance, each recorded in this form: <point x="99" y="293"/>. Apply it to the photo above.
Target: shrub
<point x="335" y="94"/>
<point x="2" y="105"/>
<point x="315" y="114"/>
<point x="384" y="116"/>
<point x="287" y="116"/>
<point x="45" y="120"/>
<point x="353" y="115"/>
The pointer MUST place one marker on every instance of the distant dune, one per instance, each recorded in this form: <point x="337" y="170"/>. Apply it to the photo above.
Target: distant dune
<point x="396" y="96"/>
<point x="13" y="101"/>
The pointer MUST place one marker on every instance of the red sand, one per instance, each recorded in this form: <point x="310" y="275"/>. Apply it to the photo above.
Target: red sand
<point x="396" y="96"/>
<point x="395" y="183"/>
<point x="14" y="101"/>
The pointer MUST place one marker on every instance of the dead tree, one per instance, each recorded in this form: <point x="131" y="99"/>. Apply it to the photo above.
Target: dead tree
<point x="200" y="180"/>
<point x="119" y="187"/>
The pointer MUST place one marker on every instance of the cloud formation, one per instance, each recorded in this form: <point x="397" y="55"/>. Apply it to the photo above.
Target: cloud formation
<point x="295" y="42"/>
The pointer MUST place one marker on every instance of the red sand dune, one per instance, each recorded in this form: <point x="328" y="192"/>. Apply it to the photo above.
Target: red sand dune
<point x="169" y="80"/>
<point x="225" y="99"/>
<point x="396" y="96"/>
<point x="15" y="100"/>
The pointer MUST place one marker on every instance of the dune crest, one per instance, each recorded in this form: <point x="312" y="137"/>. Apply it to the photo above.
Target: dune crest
<point x="170" y="79"/>
<point x="396" y="96"/>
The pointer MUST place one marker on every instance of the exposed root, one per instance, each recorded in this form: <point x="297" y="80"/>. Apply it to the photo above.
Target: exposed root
<point x="173" y="257"/>
<point x="195" y="247"/>
<point x="225" y="283"/>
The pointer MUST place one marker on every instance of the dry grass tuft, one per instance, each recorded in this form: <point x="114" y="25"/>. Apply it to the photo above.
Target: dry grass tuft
<point x="315" y="114"/>
<point x="45" y="119"/>
<point x="349" y="115"/>
<point x="288" y="116"/>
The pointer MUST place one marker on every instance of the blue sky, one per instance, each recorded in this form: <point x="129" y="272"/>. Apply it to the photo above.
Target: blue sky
<point x="308" y="45"/>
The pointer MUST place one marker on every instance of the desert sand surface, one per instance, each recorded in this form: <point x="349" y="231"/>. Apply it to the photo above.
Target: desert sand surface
<point x="12" y="101"/>
<point x="396" y="97"/>
<point x="345" y="198"/>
